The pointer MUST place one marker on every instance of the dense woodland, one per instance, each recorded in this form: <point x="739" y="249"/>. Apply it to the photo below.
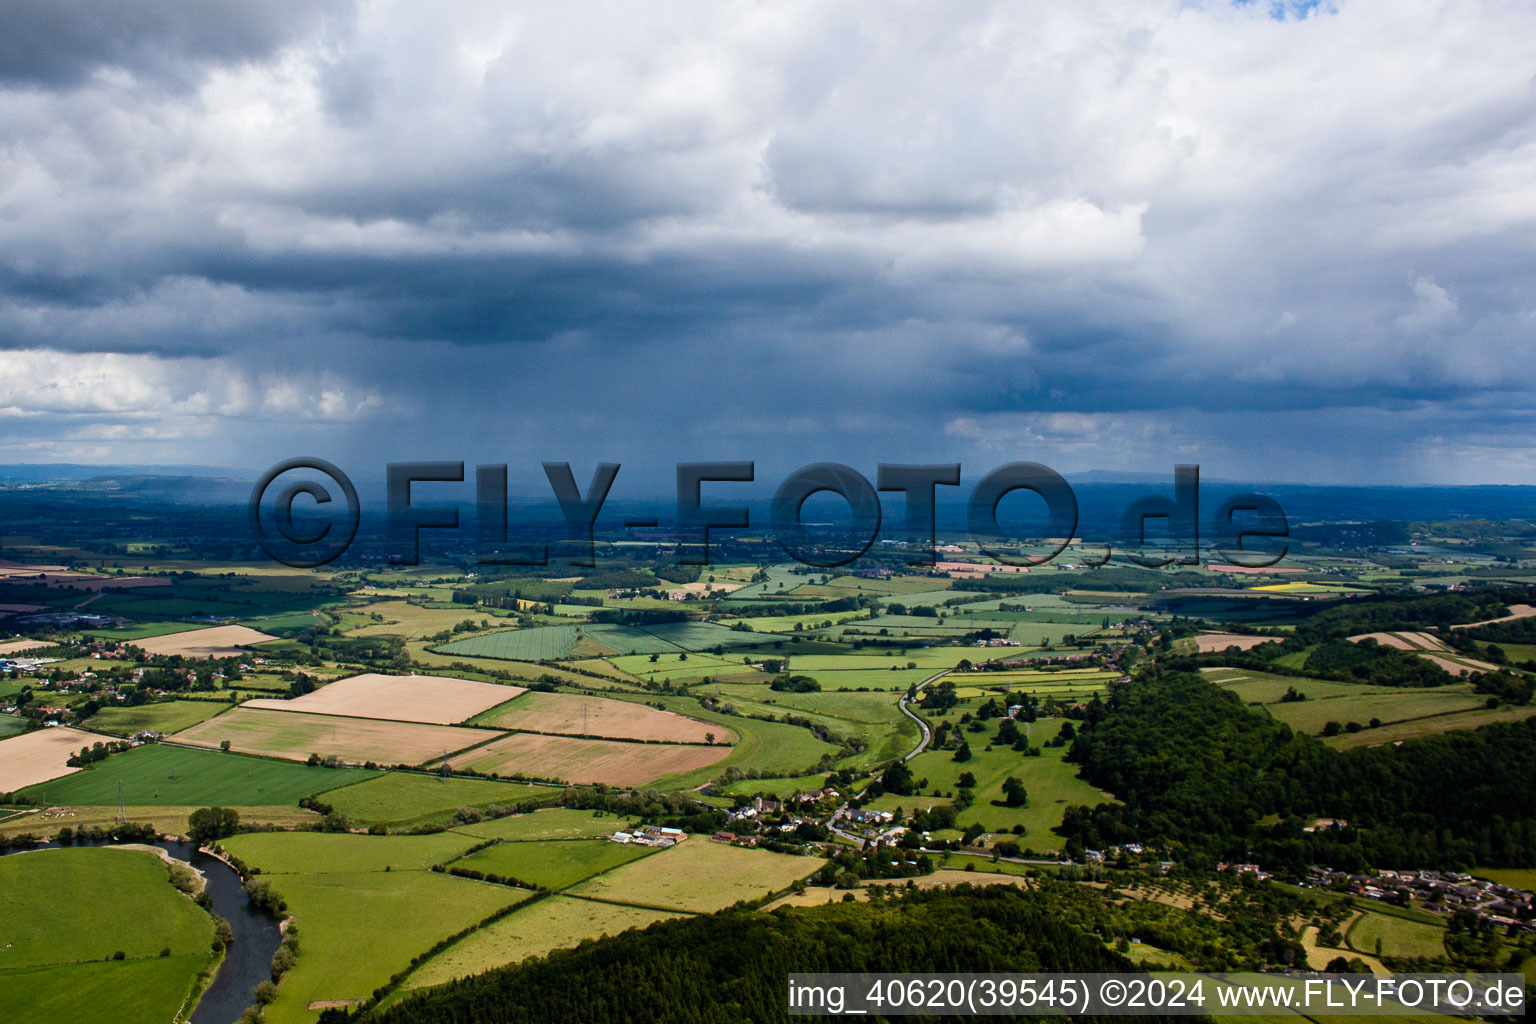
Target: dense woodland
<point x="1197" y="770"/>
<point x="733" y="966"/>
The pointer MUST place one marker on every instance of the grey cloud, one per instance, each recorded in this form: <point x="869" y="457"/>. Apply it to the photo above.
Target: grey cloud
<point x="53" y="43"/>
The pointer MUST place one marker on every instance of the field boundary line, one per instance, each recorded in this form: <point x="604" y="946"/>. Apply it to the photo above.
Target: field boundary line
<point x="626" y="903"/>
<point x="501" y="734"/>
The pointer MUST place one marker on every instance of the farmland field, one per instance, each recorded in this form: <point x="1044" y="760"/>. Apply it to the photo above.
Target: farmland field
<point x="1395" y="731"/>
<point x="580" y="715"/>
<point x="872" y="716"/>
<point x="292" y="735"/>
<point x="215" y="642"/>
<point x="161" y="774"/>
<point x="699" y="876"/>
<point x="170" y="819"/>
<point x="306" y="853"/>
<point x="556" y="922"/>
<point x="768" y="748"/>
<point x="1519" y="878"/>
<point x="1051" y="782"/>
<point x="553" y="864"/>
<point x="144" y="991"/>
<point x="412" y="620"/>
<point x="399" y="798"/>
<point x="438" y="700"/>
<point x="50" y="902"/>
<point x="360" y="927"/>
<point x="569" y="759"/>
<point x="140" y="631"/>
<point x="541" y="643"/>
<point x="1397" y="704"/>
<point x="11" y="725"/>
<point x="165" y="717"/>
<point x="39" y="756"/>
<point x="551" y="823"/>
<point x="1397" y="937"/>
<point x="628" y="640"/>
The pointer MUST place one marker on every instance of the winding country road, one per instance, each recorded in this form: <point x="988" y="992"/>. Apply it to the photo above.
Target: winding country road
<point x="927" y="733"/>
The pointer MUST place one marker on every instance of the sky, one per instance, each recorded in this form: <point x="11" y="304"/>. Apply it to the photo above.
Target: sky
<point x="1283" y="241"/>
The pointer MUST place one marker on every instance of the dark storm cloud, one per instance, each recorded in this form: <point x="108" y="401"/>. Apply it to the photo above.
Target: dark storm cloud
<point x="56" y="43"/>
<point x="1110" y="234"/>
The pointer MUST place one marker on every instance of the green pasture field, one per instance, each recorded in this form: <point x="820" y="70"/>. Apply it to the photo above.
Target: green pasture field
<point x="931" y="658"/>
<point x="1398" y="937"/>
<point x="307" y="853"/>
<point x="541" y="643"/>
<point x="165" y="717"/>
<point x="284" y="620"/>
<point x="1038" y="634"/>
<point x="1474" y="719"/>
<point x="548" y="823"/>
<point x="406" y="798"/>
<point x="896" y="585"/>
<point x="700" y="636"/>
<point x="141" y="991"/>
<point x="265" y="682"/>
<point x="10" y="725"/>
<point x="778" y="788"/>
<point x="1519" y="878"/>
<point x="787" y="623"/>
<point x="1390" y="704"/>
<point x="159" y="774"/>
<point x="770" y="589"/>
<point x="413" y="621"/>
<point x="1051" y="782"/>
<point x="557" y="922"/>
<point x="873" y="716"/>
<point x="911" y="625"/>
<point x="359" y="928"/>
<point x="622" y="640"/>
<point x="604" y="668"/>
<point x="553" y="864"/>
<point x="221" y="598"/>
<point x="673" y="667"/>
<point x="700" y="876"/>
<point x="930" y="598"/>
<point x="52" y="903"/>
<point x="143" y="630"/>
<point x="889" y="680"/>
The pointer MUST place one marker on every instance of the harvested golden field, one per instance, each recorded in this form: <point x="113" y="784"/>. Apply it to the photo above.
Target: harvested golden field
<point x="1516" y="611"/>
<point x="574" y="714"/>
<point x="1221" y="641"/>
<point x="295" y="736"/>
<point x="214" y="642"/>
<point x="38" y="756"/>
<point x="1386" y="640"/>
<point x="582" y="760"/>
<point x="22" y="646"/>
<point x="438" y="700"/>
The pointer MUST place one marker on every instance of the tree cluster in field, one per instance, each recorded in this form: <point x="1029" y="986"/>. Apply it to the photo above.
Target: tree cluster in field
<point x="97" y="751"/>
<point x="731" y="966"/>
<point x="794" y="684"/>
<point x="1198" y="772"/>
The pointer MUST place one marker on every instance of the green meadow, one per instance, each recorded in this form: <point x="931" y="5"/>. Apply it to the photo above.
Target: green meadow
<point x="158" y="774"/>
